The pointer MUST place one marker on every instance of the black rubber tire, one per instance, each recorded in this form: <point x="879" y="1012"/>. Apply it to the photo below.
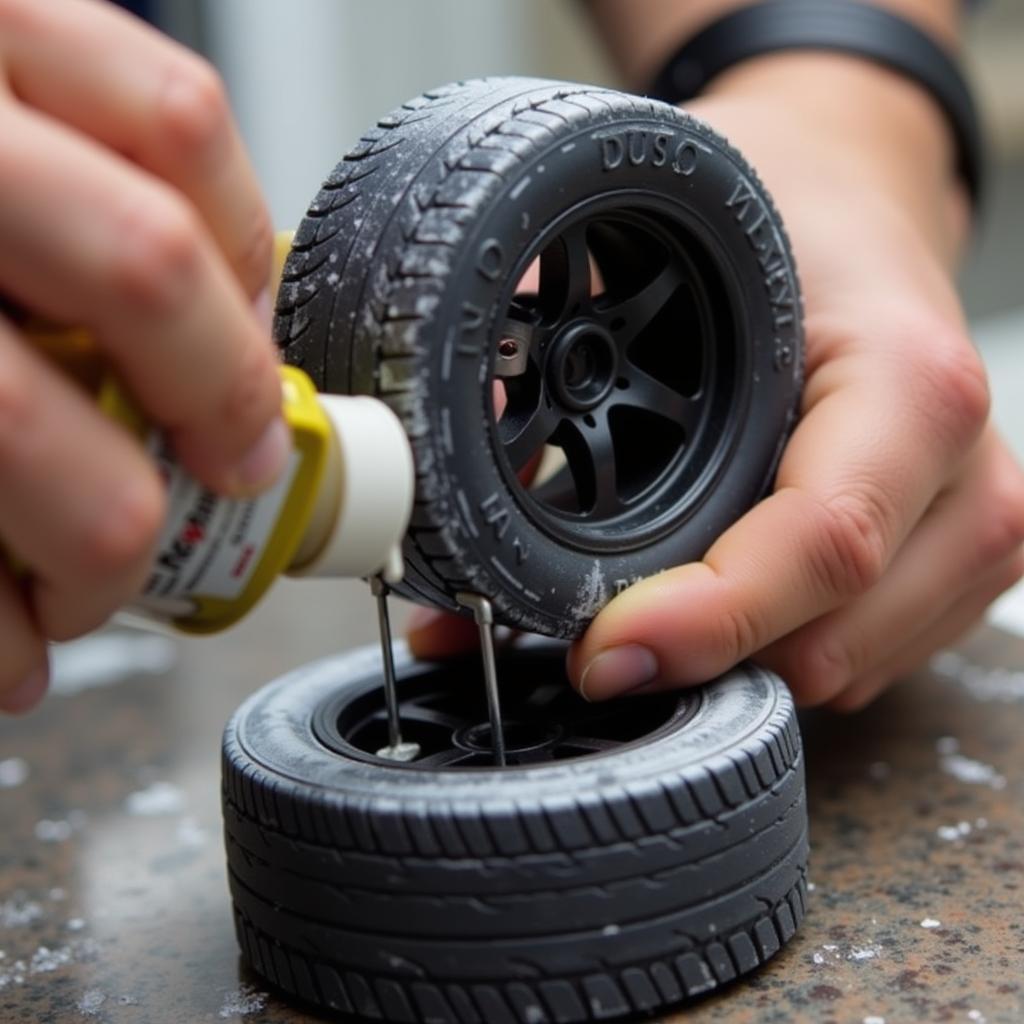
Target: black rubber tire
<point x="411" y="250"/>
<point x="608" y="887"/>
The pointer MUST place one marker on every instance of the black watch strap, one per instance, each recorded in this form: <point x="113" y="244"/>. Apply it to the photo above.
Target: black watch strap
<point x="841" y="25"/>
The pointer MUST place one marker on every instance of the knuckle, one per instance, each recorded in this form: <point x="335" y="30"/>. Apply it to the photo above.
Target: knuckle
<point x="158" y="261"/>
<point x="953" y="385"/>
<point x="1003" y="531"/>
<point x="193" y="113"/>
<point x="735" y="635"/>
<point x="851" y="549"/>
<point x="818" y="666"/>
<point x="121" y="541"/>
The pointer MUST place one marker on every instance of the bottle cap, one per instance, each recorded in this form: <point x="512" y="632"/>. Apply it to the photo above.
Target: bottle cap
<point x="374" y="492"/>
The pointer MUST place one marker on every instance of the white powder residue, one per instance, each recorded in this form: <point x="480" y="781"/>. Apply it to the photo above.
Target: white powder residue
<point x="989" y="685"/>
<point x="44" y="960"/>
<point x="158" y="798"/>
<point x="18" y="912"/>
<point x="75" y="924"/>
<point x="977" y="1016"/>
<point x="241" y="1001"/>
<point x="333" y="278"/>
<point x="864" y="953"/>
<point x="13" y="772"/>
<point x="91" y="1001"/>
<point x="953" y="832"/>
<point x="818" y="958"/>
<point x="48" y="831"/>
<point x="974" y="773"/>
<point x="873" y="1020"/>
<point x="931" y="922"/>
<point x="591" y="595"/>
<point x="610" y="929"/>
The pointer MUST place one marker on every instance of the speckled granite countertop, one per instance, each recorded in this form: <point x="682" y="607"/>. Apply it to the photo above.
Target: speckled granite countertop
<point x="114" y="905"/>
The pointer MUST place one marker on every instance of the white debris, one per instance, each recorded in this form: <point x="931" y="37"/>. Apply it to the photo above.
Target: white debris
<point x="866" y="953"/>
<point x="975" y="773"/>
<point x="977" y="1016"/>
<point x="75" y="924"/>
<point x="931" y="922"/>
<point x="953" y="832"/>
<point x="818" y="958"/>
<point x="18" y="912"/>
<point x="159" y="798"/>
<point x="91" y="1001"/>
<point x="874" y="1020"/>
<point x="13" y="772"/>
<point x="48" y="831"/>
<point x="995" y="685"/>
<point x="241" y="1001"/>
<point x="610" y="929"/>
<point x="44" y="960"/>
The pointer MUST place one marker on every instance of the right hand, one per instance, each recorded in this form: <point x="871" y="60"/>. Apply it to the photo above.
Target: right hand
<point x="128" y="207"/>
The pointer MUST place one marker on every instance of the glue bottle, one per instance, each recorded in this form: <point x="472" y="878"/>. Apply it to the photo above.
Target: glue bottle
<point x="339" y="508"/>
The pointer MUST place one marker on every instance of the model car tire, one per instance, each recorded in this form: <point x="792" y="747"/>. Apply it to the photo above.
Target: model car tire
<point x="401" y="282"/>
<point x="607" y="886"/>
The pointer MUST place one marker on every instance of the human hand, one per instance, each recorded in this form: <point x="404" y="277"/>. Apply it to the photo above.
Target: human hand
<point x="127" y="206"/>
<point x="898" y="513"/>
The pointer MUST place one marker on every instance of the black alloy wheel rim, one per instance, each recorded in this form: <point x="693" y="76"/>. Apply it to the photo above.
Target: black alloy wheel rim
<point x="638" y="382"/>
<point x="443" y="709"/>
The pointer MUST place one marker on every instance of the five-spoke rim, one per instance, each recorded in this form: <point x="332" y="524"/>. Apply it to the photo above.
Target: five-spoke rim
<point x="613" y="354"/>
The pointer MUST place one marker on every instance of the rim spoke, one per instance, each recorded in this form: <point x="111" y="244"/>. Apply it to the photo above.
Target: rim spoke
<point x="565" y="273"/>
<point x="640" y="309"/>
<point x="591" y="457"/>
<point x="647" y="393"/>
<point x="525" y="440"/>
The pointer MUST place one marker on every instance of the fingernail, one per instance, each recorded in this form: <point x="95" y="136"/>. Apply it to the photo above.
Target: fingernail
<point x="616" y="671"/>
<point x="27" y="694"/>
<point x="263" y="462"/>
<point x="263" y="307"/>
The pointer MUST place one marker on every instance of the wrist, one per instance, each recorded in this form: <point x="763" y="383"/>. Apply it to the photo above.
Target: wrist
<point x="860" y="121"/>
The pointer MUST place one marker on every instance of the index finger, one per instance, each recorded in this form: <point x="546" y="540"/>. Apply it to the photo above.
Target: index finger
<point x="865" y="462"/>
<point x="124" y="84"/>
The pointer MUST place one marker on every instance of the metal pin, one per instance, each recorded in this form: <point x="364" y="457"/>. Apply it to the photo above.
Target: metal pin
<point x="484" y="617"/>
<point x="396" y="750"/>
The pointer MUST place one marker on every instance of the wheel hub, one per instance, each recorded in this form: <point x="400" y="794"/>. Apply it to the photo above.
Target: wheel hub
<point x="582" y="366"/>
<point x="521" y="737"/>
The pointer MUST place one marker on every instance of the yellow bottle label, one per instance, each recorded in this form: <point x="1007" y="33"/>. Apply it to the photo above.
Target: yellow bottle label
<point x="217" y="556"/>
<point x="210" y="545"/>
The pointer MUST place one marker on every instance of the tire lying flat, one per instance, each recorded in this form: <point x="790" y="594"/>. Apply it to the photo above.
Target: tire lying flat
<point x="400" y="282"/>
<point x="608" y="886"/>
